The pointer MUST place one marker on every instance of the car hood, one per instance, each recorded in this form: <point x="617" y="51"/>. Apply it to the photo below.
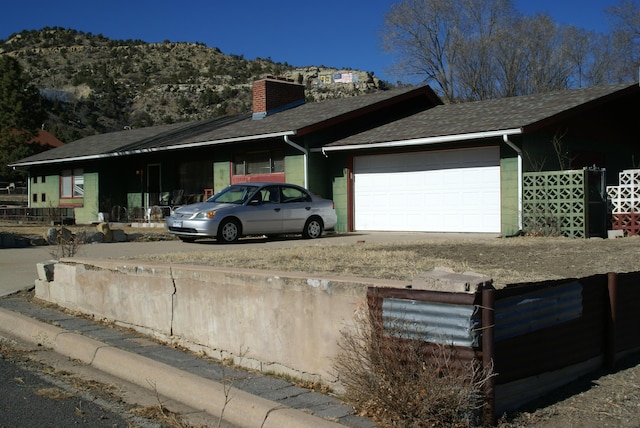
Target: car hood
<point x="188" y="210"/>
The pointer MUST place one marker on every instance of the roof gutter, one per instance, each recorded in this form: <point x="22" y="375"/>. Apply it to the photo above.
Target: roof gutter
<point x="157" y="149"/>
<point x="425" y="141"/>
<point x="305" y="152"/>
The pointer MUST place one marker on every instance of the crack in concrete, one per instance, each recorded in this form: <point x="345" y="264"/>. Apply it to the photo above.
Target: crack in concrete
<point x="173" y="295"/>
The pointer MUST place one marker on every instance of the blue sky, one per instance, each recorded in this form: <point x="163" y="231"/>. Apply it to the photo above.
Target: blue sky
<point x="335" y="34"/>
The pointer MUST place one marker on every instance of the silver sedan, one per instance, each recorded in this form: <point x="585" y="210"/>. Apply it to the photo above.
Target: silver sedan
<point x="254" y="209"/>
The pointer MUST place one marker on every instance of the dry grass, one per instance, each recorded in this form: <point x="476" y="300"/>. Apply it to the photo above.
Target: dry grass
<point x="512" y="260"/>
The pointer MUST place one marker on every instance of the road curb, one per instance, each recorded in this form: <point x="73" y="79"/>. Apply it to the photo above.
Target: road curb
<point x="237" y="407"/>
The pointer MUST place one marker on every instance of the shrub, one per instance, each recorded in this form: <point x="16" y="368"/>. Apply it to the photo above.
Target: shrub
<point x="66" y="243"/>
<point x="405" y="382"/>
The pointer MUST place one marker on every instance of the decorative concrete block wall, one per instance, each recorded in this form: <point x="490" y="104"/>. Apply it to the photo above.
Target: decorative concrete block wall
<point x="625" y="202"/>
<point x="555" y="203"/>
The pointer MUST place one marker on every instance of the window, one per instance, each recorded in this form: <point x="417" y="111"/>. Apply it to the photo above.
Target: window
<point x="271" y="194"/>
<point x="72" y="183"/>
<point x="291" y="194"/>
<point x="195" y="176"/>
<point x="43" y="197"/>
<point x="35" y="180"/>
<point x="34" y="197"/>
<point x="43" y="179"/>
<point x="263" y="162"/>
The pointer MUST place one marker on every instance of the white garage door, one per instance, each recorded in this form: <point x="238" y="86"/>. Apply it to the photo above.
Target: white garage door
<point x="437" y="191"/>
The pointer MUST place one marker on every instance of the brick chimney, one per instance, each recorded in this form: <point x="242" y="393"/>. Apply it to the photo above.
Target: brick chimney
<point x="272" y="95"/>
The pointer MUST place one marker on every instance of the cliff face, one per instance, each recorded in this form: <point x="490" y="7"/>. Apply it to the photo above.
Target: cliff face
<point x="92" y="84"/>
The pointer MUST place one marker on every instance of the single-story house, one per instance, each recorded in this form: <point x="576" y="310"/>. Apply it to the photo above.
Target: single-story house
<point x="396" y="160"/>
<point x="459" y="167"/>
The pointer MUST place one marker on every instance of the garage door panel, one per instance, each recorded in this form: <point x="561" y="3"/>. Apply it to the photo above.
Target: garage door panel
<point x="448" y="191"/>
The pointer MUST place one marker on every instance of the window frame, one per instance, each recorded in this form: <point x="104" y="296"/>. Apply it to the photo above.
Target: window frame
<point x="244" y="164"/>
<point x="72" y="184"/>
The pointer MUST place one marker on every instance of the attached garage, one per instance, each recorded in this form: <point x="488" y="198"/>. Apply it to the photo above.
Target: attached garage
<point x="429" y="191"/>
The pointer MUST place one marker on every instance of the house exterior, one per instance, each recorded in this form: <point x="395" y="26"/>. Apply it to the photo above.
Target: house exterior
<point x="459" y="167"/>
<point x="167" y="165"/>
<point x="396" y="160"/>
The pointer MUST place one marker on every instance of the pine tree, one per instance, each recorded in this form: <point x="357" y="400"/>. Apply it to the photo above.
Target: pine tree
<point x="21" y="115"/>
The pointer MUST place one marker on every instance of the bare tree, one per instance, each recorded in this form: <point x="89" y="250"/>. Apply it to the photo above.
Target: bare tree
<point x="608" y="63"/>
<point x="577" y="50"/>
<point x="625" y="42"/>
<point x="480" y="29"/>
<point x="480" y="49"/>
<point x="423" y="35"/>
<point x="547" y="68"/>
<point x="510" y="61"/>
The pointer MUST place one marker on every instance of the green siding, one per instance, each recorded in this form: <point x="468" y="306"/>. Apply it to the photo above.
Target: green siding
<point x="509" y="206"/>
<point x="319" y="175"/>
<point x="134" y="200"/>
<point x="294" y="169"/>
<point x="341" y="200"/>
<point x="88" y="212"/>
<point x="50" y="188"/>
<point x="221" y="175"/>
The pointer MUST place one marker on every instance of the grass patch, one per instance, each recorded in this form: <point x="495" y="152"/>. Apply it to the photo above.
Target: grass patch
<point x="513" y="260"/>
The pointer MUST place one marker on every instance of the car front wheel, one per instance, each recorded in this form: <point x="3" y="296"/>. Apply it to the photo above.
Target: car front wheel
<point x="312" y="228"/>
<point x="229" y="231"/>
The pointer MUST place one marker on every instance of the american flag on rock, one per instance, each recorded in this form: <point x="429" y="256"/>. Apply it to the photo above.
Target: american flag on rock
<point x="343" y="78"/>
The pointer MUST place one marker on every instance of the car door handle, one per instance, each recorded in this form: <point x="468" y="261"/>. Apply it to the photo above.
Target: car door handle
<point x="307" y="208"/>
<point x="277" y="210"/>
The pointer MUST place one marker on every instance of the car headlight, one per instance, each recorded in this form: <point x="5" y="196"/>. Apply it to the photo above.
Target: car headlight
<point x="205" y="215"/>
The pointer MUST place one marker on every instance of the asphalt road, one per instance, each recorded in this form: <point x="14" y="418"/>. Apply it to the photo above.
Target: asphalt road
<point x="41" y="388"/>
<point x="30" y="399"/>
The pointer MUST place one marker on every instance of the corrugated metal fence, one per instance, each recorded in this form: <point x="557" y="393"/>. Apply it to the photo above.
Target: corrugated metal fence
<point x="537" y="336"/>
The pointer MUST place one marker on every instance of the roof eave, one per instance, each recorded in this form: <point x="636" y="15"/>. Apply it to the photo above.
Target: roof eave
<point x="426" y="141"/>
<point x="579" y="108"/>
<point x="155" y="149"/>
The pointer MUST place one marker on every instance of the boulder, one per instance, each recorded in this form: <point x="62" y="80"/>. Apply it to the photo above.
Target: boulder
<point x="38" y="241"/>
<point x="94" y="237"/>
<point x="7" y="240"/>
<point x="65" y="235"/>
<point x="119" y="235"/>
<point x="52" y="236"/>
<point x="106" y="231"/>
<point x="59" y="236"/>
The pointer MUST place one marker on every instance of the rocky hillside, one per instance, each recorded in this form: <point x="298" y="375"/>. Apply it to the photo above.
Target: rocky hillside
<point x="92" y="84"/>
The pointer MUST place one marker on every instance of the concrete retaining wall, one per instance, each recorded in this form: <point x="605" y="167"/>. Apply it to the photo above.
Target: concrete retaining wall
<point x="283" y="322"/>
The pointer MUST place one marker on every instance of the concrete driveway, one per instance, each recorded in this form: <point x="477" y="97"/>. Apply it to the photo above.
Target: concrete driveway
<point x="18" y="265"/>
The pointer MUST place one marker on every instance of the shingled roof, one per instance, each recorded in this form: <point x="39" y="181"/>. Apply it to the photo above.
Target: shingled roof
<point x="229" y="129"/>
<point x="514" y="115"/>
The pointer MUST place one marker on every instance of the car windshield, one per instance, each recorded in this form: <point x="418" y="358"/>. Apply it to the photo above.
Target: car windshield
<point x="236" y="194"/>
